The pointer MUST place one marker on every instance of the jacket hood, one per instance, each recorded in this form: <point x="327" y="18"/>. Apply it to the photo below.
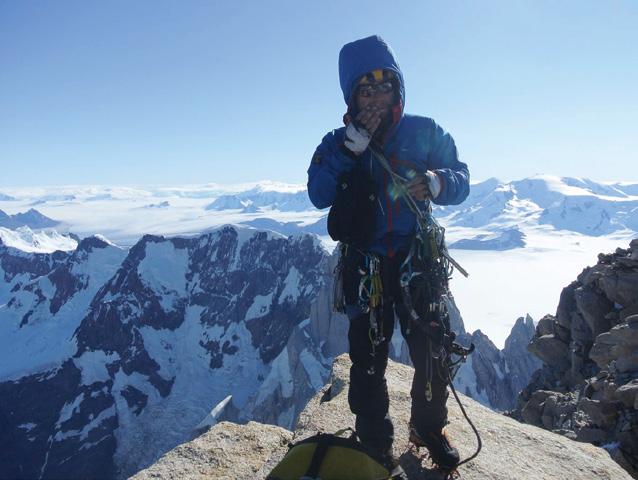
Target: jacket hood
<point x="362" y="56"/>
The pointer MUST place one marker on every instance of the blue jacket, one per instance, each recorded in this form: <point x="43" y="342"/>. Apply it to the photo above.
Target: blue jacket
<point x="412" y="143"/>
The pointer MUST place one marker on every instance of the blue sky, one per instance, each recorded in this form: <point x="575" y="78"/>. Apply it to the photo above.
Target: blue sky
<point x="166" y="92"/>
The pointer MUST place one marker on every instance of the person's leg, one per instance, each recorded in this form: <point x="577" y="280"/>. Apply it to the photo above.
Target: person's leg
<point x="429" y="417"/>
<point x="368" y="393"/>
<point x="426" y="414"/>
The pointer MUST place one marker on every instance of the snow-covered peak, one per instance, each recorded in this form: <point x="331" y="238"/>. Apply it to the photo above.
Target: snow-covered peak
<point x="95" y="242"/>
<point x="543" y="186"/>
<point x="271" y="186"/>
<point x="282" y="198"/>
<point x="104" y="239"/>
<point x="44" y="241"/>
<point x="31" y="218"/>
<point x="629" y="188"/>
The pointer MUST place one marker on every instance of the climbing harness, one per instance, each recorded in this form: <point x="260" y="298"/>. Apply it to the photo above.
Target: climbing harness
<point x="425" y="273"/>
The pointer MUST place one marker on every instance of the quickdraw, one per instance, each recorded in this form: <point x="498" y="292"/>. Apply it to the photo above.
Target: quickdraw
<point x="371" y="300"/>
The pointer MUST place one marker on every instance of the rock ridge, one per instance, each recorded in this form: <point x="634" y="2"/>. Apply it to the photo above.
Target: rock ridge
<point x="510" y="449"/>
<point x="587" y="388"/>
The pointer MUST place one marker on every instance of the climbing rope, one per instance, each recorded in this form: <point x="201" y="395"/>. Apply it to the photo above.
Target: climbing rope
<point x="432" y="245"/>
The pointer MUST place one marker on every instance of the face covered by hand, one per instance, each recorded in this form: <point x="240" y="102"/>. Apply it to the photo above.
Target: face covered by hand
<point x="374" y="98"/>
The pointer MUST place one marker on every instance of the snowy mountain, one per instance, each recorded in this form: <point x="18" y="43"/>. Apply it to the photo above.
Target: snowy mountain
<point x="289" y="228"/>
<point x="43" y="241"/>
<point x="572" y="204"/>
<point x="107" y="348"/>
<point x="263" y="197"/>
<point x="113" y="357"/>
<point x="31" y="218"/>
<point x="495" y="377"/>
<point x="43" y="313"/>
<point x="505" y="239"/>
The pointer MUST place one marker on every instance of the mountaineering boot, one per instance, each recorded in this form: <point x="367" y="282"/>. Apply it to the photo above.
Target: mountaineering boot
<point x="375" y="432"/>
<point x="392" y="464"/>
<point x="441" y="451"/>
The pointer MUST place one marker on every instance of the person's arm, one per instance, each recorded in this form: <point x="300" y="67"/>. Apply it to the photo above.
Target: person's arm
<point x="329" y="160"/>
<point x="453" y="174"/>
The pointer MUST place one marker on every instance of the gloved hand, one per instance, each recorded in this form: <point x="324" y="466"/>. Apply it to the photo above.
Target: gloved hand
<point x="360" y="131"/>
<point x="425" y="186"/>
<point x="356" y="139"/>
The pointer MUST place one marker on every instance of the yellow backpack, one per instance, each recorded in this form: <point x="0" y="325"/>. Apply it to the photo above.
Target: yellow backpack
<point x="328" y="456"/>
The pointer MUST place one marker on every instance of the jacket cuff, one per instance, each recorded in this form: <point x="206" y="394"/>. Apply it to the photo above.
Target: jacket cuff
<point x="347" y="152"/>
<point x="443" y="181"/>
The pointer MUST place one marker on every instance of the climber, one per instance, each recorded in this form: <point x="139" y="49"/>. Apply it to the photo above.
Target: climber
<point x="379" y="146"/>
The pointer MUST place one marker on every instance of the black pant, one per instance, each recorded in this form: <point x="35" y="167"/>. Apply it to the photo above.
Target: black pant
<point x="368" y="394"/>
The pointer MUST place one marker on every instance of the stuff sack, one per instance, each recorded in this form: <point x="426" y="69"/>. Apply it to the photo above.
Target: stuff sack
<point x="353" y="218"/>
<point x="330" y="457"/>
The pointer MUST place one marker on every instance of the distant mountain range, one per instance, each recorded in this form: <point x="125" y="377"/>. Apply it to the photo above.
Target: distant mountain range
<point x="261" y="198"/>
<point x="572" y="204"/>
<point x="496" y="216"/>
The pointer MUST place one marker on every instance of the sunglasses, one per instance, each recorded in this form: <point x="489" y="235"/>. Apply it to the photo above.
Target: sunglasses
<point x="371" y="89"/>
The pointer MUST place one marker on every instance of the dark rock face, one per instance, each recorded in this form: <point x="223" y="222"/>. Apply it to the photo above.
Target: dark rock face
<point x="57" y="427"/>
<point x="136" y="399"/>
<point x="499" y="374"/>
<point x="15" y="262"/>
<point x="66" y="285"/>
<point x="586" y="389"/>
<point x="64" y="281"/>
<point x="43" y="438"/>
<point x="521" y="364"/>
